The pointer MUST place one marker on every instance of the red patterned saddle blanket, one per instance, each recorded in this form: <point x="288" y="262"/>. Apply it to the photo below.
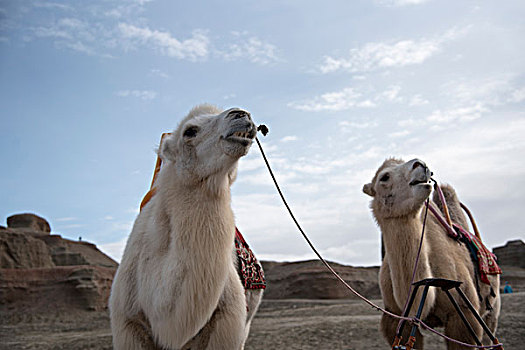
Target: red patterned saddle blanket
<point x="249" y="269"/>
<point x="485" y="259"/>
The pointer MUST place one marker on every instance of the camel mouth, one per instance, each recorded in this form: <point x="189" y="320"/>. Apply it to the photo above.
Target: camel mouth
<point x="244" y="137"/>
<point x="418" y="182"/>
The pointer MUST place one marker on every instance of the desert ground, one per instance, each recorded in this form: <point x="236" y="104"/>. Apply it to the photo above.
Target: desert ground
<point x="279" y="324"/>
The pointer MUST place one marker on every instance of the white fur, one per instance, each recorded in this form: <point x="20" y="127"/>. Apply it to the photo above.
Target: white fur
<point x="178" y="272"/>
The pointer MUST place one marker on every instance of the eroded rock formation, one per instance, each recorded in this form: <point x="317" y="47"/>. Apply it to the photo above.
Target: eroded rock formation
<point x="44" y="271"/>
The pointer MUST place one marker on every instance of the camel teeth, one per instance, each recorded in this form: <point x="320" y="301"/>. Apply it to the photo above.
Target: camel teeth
<point x="241" y="134"/>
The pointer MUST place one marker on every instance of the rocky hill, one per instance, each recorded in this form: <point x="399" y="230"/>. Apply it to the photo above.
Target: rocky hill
<point x="511" y="258"/>
<point x="43" y="271"/>
<point x="311" y="280"/>
<point x="511" y="254"/>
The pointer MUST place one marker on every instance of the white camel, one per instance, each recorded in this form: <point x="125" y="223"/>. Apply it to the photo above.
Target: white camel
<point x="399" y="191"/>
<point x="177" y="286"/>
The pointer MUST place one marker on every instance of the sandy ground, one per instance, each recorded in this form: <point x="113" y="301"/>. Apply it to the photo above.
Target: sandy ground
<point x="279" y="324"/>
<point x="351" y="324"/>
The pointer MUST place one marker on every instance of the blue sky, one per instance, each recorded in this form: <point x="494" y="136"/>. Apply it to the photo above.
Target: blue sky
<point x="87" y="88"/>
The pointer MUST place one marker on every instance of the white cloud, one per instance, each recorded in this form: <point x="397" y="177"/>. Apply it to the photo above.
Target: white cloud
<point x="331" y="101"/>
<point x="80" y="47"/>
<point x="52" y="6"/>
<point x="489" y="91"/>
<point x="348" y="126"/>
<point x="377" y="55"/>
<point x="70" y="226"/>
<point x="483" y="155"/>
<point x="65" y="219"/>
<point x="289" y="138"/>
<point x="517" y="95"/>
<point x="400" y="3"/>
<point x="74" y="34"/>
<point x="417" y="100"/>
<point x="106" y="31"/>
<point x="159" y="73"/>
<point x="364" y="250"/>
<point x="392" y="94"/>
<point x="145" y="95"/>
<point x="411" y="122"/>
<point x="229" y="96"/>
<point x="397" y="134"/>
<point x="373" y="56"/>
<point x="462" y="114"/>
<point x="197" y="47"/>
<point x="349" y="98"/>
<point x="53" y="32"/>
<point x="249" y="47"/>
<point x="366" y="104"/>
<point x="126" y="9"/>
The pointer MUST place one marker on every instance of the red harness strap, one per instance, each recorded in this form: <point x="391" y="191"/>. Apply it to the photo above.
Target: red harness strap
<point x="486" y="260"/>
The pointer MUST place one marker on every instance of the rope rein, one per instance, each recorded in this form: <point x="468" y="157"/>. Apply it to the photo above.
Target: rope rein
<point x="413" y="320"/>
<point x="415" y="265"/>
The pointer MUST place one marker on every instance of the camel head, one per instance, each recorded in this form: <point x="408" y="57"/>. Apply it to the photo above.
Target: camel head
<point x="398" y="188"/>
<point x="208" y="144"/>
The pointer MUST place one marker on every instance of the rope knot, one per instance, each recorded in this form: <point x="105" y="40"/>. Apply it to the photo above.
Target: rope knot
<point x="263" y="129"/>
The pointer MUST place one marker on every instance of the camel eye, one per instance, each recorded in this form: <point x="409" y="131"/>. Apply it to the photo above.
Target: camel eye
<point x="191" y="131"/>
<point x="384" y="178"/>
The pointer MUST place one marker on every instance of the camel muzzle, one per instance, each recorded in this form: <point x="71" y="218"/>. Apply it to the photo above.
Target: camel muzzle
<point x="420" y="172"/>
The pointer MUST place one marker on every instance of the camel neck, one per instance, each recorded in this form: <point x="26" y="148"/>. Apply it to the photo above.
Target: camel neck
<point x="197" y="218"/>
<point x="401" y="237"/>
<point x="402" y="229"/>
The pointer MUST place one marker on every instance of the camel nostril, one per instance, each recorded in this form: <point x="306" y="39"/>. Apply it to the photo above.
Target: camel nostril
<point x="418" y="164"/>
<point x="239" y="115"/>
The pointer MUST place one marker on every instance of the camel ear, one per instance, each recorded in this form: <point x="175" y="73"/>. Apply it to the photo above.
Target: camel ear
<point x="369" y="190"/>
<point x="167" y="149"/>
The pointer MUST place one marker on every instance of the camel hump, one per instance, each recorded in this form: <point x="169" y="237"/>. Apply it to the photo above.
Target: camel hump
<point x="453" y="204"/>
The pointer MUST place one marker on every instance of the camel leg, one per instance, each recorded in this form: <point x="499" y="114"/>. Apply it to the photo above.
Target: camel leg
<point x="491" y="319"/>
<point x="132" y="334"/>
<point x="389" y="324"/>
<point x="456" y="329"/>
<point x="253" y="299"/>
<point x="229" y="329"/>
<point x="389" y="327"/>
<point x="201" y="341"/>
